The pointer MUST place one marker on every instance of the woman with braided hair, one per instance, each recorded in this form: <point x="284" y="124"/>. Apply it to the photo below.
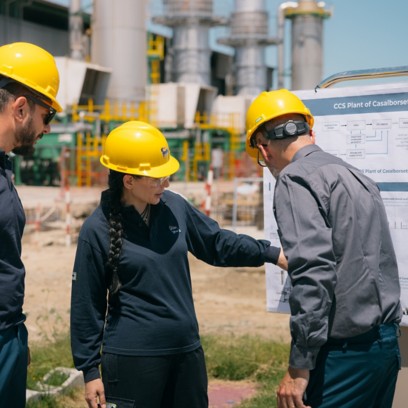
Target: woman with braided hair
<point x="133" y="321"/>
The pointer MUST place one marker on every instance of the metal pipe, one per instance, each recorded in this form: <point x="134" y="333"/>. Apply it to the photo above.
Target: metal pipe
<point x="281" y="44"/>
<point x="119" y="42"/>
<point x="307" y="42"/>
<point x="75" y="30"/>
<point x="249" y="36"/>
<point x="192" y="54"/>
<point x="363" y="74"/>
<point x="191" y="21"/>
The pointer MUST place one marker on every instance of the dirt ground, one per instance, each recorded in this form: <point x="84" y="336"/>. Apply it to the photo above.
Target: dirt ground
<point x="228" y="300"/>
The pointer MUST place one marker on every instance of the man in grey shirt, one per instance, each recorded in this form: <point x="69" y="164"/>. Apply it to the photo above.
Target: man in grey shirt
<point x="345" y="307"/>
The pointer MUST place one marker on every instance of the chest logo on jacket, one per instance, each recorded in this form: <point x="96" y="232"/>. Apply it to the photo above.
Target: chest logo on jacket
<point x="174" y="229"/>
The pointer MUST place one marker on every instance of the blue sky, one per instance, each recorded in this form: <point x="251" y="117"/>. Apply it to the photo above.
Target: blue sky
<point x="364" y="34"/>
<point x="361" y="34"/>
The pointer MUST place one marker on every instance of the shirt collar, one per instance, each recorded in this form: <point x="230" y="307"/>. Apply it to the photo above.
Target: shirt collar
<point x="127" y="210"/>
<point x="305" y="151"/>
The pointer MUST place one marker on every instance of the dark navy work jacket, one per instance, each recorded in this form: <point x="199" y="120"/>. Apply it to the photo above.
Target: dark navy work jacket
<point x="12" y="272"/>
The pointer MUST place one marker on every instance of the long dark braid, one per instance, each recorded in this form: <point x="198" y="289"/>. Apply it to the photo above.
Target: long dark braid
<point x="115" y="231"/>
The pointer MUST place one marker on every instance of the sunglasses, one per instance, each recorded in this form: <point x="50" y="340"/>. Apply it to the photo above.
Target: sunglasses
<point x="51" y="111"/>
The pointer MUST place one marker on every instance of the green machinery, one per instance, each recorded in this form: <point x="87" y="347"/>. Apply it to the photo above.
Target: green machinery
<point x="44" y="166"/>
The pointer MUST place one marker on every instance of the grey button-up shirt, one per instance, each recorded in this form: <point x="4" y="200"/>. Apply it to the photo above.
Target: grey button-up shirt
<point x="334" y="232"/>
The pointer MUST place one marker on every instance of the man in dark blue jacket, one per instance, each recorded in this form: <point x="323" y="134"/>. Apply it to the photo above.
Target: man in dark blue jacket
<point x="29" y="83"/>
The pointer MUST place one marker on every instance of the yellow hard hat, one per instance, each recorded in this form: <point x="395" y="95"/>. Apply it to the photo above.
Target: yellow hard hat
<point x="138" y="148"/>
<point x="33" y="67"/>
<point x="270" y="105"/>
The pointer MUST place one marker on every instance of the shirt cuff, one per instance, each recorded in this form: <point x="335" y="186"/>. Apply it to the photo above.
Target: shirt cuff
<point x="91" y="374"/>
<point x="303" y="358"/>
<point x="272" y="254"/>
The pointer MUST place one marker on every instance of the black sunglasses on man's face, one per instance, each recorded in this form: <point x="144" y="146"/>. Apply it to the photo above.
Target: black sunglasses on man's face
<point x="51" y="110"/>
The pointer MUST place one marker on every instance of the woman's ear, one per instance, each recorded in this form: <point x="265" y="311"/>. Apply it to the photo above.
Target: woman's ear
<point x="128" y="181"/>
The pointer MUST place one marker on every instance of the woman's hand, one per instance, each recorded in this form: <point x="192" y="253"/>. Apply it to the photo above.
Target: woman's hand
<point x="95" y="394"/>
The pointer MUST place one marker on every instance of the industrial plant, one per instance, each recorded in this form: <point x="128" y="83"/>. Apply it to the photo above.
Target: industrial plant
<point x="134" y="60"/>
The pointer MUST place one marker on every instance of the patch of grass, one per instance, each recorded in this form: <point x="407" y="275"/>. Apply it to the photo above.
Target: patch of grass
<point x="71" y="398"/>
<point x="227" y="357"/>
<point x="248" y="358"/>
<point x="46" y="357"/>
<point x="56" y="379"/>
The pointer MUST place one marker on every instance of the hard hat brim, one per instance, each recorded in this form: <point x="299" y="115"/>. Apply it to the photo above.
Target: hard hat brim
<point x="165" y="170"/>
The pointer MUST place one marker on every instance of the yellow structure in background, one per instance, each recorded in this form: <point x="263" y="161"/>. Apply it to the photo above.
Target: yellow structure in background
<point x="103" y="118"/>
<point x="230" y="127"/>
<point x="109" y="112"/>
<point x="195" y="154"/>
<point x="88" y="149"/>
<point x="155" y="53"/>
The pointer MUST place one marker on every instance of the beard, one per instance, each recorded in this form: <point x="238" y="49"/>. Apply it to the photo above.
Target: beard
<point x="26" y="138"/>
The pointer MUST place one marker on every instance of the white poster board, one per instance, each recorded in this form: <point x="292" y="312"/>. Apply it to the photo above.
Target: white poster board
<point x="368" y="128"/>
